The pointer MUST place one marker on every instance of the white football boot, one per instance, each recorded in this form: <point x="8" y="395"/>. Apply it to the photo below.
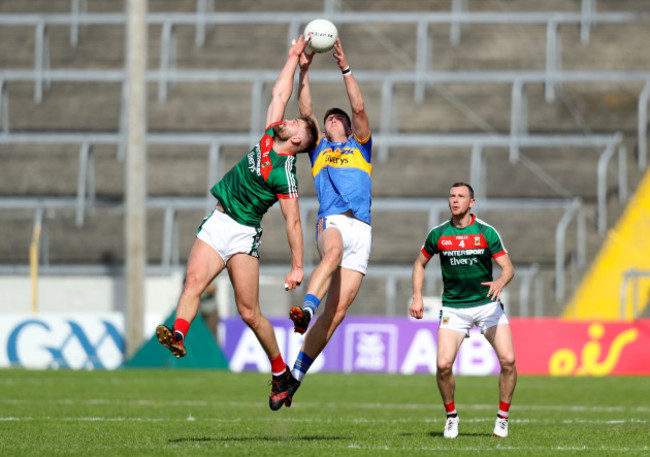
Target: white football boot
<point x="501" y="427"/>
<point x="451" y="427"/>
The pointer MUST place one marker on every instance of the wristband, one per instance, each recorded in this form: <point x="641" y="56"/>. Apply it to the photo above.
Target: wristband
<point x="346" y="71"/>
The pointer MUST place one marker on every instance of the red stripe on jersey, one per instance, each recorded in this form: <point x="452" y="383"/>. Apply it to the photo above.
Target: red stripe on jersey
<point x="500" y="253"/>
<point x="265" y="161"/>
<point x="460" y="242"/>
<point x="287" y="195"/>
<point x="273" y="124"/>
<point x="425" y="253"/>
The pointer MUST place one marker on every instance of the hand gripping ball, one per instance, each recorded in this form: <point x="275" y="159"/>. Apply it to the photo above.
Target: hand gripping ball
<point x="323" y="35"/>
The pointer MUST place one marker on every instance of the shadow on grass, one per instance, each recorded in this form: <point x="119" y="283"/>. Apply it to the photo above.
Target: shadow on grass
<point x="255" y="438"/>
<point x="440" y="435"/>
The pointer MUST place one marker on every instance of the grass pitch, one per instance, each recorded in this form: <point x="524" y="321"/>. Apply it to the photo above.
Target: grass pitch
<point x="202" y="412"/>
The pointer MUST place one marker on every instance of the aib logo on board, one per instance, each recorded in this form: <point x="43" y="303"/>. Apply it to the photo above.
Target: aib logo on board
<point x="370" y="348"/>
<point x="65" y="343"/>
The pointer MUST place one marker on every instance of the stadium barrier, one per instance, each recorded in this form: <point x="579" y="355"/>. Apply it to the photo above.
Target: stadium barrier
<point x="202" y="350"/>
<point x="362" y="344"/>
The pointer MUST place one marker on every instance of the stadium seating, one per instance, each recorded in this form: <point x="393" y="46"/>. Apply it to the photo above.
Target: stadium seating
<point x="440" y="112"/>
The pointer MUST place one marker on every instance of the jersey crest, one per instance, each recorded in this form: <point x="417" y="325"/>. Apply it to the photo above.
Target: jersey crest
<point x="461" y="242"/>
<point x="465" y="260"/>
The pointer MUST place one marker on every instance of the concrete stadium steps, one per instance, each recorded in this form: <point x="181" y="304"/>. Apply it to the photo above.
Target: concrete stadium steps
<point x="62" y="6"/>
<point x="99" y="241"/>
<point x="59" y="6"/>
<point x="16" y="228"/>
<point x="482" y="46"/>
<point x="602" y="107"/>
<point x="214" y="107"/>
<point x="182" y="170"/>
<point x="66" y="106"/>
<point x="32" y="170"/>
<point x="397" y="235"/>
<point x="541" y="173"/>
<point x="92" y="106"/>
<point x="565" y="172"/>
<point x="204" y="106"/>
<point x="52" y="170"/>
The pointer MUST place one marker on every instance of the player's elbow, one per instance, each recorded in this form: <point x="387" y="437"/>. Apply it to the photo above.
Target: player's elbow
<point x="294" y="225"/>
<point x="358" y="109"/>
<point x="280" y="94"/>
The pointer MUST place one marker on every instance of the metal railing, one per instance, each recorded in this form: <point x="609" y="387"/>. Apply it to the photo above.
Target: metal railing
<point x="420" y="76"/>
<point x="631" y="278"/>
<point x="421" y="20"/>
<point x="435" y="208"/>
<point x="475" y="142"/>
<point x="42" y="76"/>
<point x="392" y="274"/>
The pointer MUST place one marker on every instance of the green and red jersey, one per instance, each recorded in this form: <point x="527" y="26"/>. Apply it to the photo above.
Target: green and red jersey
<point x="465" y="260"/>
<point x="256" y="182"/>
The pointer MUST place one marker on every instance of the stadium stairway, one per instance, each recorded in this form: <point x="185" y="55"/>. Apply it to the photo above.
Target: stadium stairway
<point x="626" y="249"/>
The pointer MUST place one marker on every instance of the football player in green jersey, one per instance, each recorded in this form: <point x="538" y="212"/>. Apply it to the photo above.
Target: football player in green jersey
<point x="471" y="296"/>
<point x="230" y="236"/>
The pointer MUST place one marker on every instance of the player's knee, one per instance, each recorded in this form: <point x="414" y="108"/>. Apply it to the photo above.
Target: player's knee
<point x="338" y="317"/>
<point x="250" y="317"/>
<point x="334" y="255"/>
<point x="508" y="363"/>
<point x="194" y="285"/>
<point x="444" y="366"/>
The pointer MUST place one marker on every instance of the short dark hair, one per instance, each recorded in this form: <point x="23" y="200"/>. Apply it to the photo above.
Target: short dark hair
<point x="331" y="111"/>
<point x="312" y="134"/>
<point x="462" y="184"/>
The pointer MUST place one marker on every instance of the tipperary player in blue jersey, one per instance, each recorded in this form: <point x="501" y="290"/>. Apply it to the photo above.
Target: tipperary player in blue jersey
<point x="341" y="167"/>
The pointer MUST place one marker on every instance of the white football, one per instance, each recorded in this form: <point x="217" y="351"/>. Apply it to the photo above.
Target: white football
<point x="323" y="35"/>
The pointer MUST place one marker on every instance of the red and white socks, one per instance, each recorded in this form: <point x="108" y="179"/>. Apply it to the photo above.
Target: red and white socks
<point x="181" y="326"/>
<point x="503" y="412"/>
<point x="451" y="409"/>
<point x="278" y="367"/>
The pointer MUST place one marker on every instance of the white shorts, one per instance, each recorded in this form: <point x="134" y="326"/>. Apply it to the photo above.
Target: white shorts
<point x="228" y="237"/>
<point x="463" y="319"/>
<point x="357" y="239"/>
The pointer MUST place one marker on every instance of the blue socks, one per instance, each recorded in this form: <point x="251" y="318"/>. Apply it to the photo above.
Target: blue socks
<point x="311" y="303"/>
<point x="303" y="362"/>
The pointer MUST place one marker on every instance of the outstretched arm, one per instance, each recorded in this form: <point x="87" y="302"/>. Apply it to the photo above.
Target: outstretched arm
<point x="291" y="212"/>
<point x="360" y="123"/>
<point x="284" y="85"/>
<point x="416" y="309"/>
<point x="304" y="92"/>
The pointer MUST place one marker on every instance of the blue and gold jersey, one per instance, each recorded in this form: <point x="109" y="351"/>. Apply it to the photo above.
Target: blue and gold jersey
<point x="341" y="174"/>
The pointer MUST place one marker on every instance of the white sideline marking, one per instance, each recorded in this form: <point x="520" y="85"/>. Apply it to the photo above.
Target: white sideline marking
<point x="498" y="448"/>
<point x="302" y="420"/>
<point x="434" y="406"/>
